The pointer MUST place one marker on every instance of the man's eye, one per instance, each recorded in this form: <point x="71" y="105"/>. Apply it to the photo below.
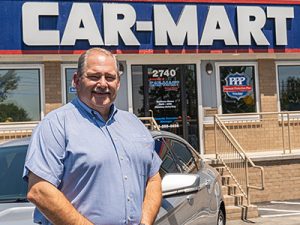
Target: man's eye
<point x="110" y="78"/>
<point x="93" y="78"/>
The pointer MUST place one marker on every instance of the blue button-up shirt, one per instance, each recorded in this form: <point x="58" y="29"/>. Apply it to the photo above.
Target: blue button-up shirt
<point x="101" y="166"/>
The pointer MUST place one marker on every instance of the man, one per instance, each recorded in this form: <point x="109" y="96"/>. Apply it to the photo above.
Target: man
<point x="90" y="163"/>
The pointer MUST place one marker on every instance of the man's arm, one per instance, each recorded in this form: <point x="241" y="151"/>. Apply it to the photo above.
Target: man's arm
<point x="52" y="203"/>
<point x="152" y="200"/>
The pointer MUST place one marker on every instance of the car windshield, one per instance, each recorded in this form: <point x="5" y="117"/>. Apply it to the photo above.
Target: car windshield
<point x="12" y="186"/>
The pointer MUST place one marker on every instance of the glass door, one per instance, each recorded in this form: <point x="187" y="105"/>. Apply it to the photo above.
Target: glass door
<point x="169" y="92"/>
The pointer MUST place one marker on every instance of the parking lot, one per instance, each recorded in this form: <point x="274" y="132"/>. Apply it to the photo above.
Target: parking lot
<point x="275" y="212"/>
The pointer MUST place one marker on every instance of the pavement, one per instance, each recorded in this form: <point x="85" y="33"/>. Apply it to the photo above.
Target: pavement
<point x="287" y="220"/>
<point x="274" y="213"/>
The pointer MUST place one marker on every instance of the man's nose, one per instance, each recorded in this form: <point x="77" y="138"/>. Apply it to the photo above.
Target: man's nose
<point x="102" y="82"/>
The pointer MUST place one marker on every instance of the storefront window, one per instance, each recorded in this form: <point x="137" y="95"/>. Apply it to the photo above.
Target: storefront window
<point x="70" y="90"/>
<point x="238" y="89"/>
<point x="289" y="87"/>
<point x="20" y="95"/>
<point x="170" y="93"/>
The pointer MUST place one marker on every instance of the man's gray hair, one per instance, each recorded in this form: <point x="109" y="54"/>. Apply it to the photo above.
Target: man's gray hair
<point x="83" y="58"/>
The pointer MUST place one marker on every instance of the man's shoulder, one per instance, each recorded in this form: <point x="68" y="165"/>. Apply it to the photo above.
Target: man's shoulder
<point x="131" y="121"/>
<point x="60" y="112"/>
<point x="125" y="115"/>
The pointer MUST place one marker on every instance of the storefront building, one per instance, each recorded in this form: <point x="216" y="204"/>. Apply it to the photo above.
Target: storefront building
<point x="182" y="61"/>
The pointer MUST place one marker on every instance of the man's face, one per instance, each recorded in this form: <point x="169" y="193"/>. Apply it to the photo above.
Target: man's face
<point x="98" y="86"/>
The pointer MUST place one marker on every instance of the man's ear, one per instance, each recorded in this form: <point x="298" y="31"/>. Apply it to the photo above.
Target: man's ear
<point x="75" y="80"/>
<point x="119" y="84"/>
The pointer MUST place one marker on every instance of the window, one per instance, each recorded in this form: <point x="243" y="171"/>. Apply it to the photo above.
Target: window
<point x="168" y="165"/>
<point x="289" y="87"/>
<point x="238" y="88"/>
<point x="20" y="97"/>
<point x="176" y="156"/>
<point x="12" y="186"/>
<point x="69" y="90"/>
<point x="169" y="91"/>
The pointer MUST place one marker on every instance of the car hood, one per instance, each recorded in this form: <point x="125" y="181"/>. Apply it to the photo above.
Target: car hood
<point x="16" y="213"/>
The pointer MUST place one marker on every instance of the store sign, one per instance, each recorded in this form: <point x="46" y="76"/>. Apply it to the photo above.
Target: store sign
<point x="77" y="25"/>
<point x="237" y="86"/>
<point x="81" y="24"/>
<point x="72" y="90"/>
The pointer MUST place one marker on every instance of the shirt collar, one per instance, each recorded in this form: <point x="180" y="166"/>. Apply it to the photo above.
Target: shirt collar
<point x="113" y="110"/>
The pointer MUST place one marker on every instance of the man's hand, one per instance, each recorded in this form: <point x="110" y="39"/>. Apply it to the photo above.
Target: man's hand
<point x="52" y="203"/>
<point x="152" y="200"/>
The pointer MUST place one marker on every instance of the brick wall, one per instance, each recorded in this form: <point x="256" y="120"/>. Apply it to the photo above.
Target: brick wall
<point x="282" y="180"/>
<point x="267" y="85"/>
<point x="209" y="139"/>
<point x="267" y="135"/>
<point x="53" y="97"/>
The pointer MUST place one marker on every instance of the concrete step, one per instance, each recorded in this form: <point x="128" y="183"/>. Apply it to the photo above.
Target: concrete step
<point x="226" y="179"/>
<point x="241" y="212"/>
<point x="232" y="189"/>
<point x="234" y="200"/>
<point x="225" y="190"/>
<point x="221" y="170"/>
<point x="239" y="199"/>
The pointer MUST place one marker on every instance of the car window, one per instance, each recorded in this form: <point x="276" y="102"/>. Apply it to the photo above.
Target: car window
<point x="181" y="151"/>
<point x="12" y="186"/>
<point x="168" y="163"/>
<point x="176" y="156"/>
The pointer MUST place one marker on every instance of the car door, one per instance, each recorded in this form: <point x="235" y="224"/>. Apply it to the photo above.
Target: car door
<point x="184" y="208"/>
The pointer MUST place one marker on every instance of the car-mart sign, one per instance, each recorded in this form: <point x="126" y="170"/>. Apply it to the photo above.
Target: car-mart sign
<point x="71" y="25"/>
<point x="121" y="19"/>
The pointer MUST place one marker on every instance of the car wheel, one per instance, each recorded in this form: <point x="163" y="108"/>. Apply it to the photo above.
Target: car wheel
<point x="221" y="218"/>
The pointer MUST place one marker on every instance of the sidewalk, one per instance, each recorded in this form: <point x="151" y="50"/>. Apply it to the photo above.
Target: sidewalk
<point x="287" y="220"/>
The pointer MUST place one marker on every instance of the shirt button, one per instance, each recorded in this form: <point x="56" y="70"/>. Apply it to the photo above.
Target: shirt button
<point x="121" y="157"/>
<point x="128" y="199"/>
<point x="125" y="177"/>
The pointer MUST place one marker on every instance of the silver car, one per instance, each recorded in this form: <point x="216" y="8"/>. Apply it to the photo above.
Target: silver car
<point x="191" y="189"/>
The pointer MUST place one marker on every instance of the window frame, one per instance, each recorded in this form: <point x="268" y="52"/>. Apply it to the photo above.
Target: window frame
<point x="41" y="69"/>
<point x="277" y="64"/>
<point x="218" y="84"/>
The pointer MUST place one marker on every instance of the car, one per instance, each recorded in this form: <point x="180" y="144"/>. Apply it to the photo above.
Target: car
<point x="192" y="192"/>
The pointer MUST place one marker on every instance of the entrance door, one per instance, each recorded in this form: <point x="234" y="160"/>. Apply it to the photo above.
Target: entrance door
<point x="169" y="92"/>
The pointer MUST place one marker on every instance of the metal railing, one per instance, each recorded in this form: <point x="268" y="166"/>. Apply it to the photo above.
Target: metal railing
<point x="13" y="130"/>
<point x="235" y="160"/>
<point x="265" y="132"/>
<point x="150" y="123"/>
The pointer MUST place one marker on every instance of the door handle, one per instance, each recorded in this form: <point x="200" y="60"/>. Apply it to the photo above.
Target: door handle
<point x="190" y="199"/>
<point x="207" y="183"/>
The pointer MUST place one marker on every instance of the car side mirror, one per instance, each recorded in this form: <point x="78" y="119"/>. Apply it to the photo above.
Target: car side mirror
<point x="173" y="184"/>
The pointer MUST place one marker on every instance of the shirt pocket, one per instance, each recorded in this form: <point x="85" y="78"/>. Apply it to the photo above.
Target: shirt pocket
<point x="143" y="150"/>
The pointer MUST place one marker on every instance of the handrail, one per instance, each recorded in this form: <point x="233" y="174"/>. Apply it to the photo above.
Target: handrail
<point x="14" y="126"/>
<point x="13" y="130"/>
<point x="278" y="130"/>
<point x="235" y="160"/>
<point x="150" y="122"/>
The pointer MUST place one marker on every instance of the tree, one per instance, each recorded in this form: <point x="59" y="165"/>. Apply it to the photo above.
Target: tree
<point x="11" y="112"/>
<point x="8" y="82"/>
<point x="290" y="94"/>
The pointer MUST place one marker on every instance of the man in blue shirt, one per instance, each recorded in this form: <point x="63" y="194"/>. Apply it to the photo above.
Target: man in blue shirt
<point x="89" y="162"/>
